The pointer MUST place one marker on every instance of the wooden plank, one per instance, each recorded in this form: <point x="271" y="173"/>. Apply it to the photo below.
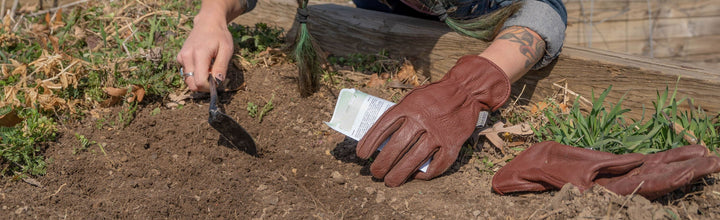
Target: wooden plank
<point x="580" y="11"/>
<point x="434" y="48"/>
<point x="662" y="48"/>
<point x="640" y="29"/>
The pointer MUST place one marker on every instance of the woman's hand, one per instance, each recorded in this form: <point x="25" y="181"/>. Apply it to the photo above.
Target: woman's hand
<point x="208" y="49"/>
<point x="209" y="46"/>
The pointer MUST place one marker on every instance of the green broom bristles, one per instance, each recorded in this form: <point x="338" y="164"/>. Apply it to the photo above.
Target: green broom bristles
<point x="306" y="54"/>
<point x="485" y="27"/>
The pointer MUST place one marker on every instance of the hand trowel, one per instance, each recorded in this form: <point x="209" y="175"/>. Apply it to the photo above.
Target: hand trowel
<point x="229" y="128"/>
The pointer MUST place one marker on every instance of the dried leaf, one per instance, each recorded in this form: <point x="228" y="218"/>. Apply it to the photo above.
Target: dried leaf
<point x="399" y="85"/>
<point x="10" y="94"/>
<point x="538" y="107"/>
<point x="407" y="74"/>
<point x="179" y="97"/>
<point x="375" y="81"/>
<point x="138" y="93"/>
<point x="55" y="44"/>
<point x="7" y="23"/>
<point x="28" y="8"/>
<point x="116" y="94"/>
<point x="10" y="119"/>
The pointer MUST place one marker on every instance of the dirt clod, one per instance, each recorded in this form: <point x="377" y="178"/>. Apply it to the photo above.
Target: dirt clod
<point x="338" y="178"/>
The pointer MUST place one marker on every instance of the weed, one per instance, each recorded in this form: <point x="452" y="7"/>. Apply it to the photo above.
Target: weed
<point x="155" y="111"/>
<point x="607" y="129"/>
<point x="266" y="108"/>
<point x="250" y="41"/>
<point x="252" y="109"/>
<point x="21" y="146"/>
<point x="84" y="143"/>
<point x="127" y="114"/>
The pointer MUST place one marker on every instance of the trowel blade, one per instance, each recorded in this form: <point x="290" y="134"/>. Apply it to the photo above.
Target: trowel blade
<point x="229" y="128"/>
<point x="233" y="132"/>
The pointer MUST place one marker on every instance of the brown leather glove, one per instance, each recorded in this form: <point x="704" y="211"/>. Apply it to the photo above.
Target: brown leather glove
<point x="550" y="165"/>
<point x="433" y="121"/>
<point x="664" y="172"/>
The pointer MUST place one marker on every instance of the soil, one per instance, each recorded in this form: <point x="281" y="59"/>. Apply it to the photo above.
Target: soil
<point x="169" y="163"/>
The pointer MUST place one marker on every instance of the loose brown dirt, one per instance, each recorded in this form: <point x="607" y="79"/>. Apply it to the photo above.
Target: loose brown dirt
<point x="169" y="163"/>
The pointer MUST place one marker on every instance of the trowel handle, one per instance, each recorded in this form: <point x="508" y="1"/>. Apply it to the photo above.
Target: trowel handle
<point x="213" y="92"/>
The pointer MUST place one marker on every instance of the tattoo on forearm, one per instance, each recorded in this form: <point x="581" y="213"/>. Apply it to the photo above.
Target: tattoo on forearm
<point x="532" y="48"/>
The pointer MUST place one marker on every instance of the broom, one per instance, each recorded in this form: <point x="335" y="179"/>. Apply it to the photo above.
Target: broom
<point x="306" y="54"/>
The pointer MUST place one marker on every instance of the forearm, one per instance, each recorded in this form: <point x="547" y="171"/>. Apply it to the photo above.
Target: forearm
<point x="223" y="10"/>
<point x="515" y="50"/>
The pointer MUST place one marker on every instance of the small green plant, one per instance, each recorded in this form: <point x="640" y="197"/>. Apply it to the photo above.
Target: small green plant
<point x="126" y="115"/>
<point x="84" y="143"/>
<point x="266" y="108"/>
<point x="155" y="111"/>
<point x="252" y="109"/>
<point x="488" y="163"/>
<point x="258" y="113"/>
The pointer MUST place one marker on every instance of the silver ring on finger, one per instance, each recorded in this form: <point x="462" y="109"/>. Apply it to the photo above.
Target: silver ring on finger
<point x="184" y="74"/>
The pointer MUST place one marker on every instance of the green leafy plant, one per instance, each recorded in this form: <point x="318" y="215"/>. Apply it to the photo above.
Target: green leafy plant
<point x="607" y="129"/>
<point x="252" y="109"/>
<point x="84" y="143"/>
<point x="266" y="108"/>
<point x="21" y="146"/>
<point x="252" y="40"/>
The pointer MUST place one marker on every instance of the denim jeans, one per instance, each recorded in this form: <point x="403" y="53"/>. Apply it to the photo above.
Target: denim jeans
<point x="457" y="9"/>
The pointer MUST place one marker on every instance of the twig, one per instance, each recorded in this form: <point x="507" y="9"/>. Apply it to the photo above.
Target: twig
<point x="2" y="10"/>
<point x="138" y="20"/>
<point x="583" y="99"/>
<point x="12" y="11"/>
<point x="57" y="8"/>
<point x="629" y="196"/>
<point x="519" y="95"/>
<point x="17" y="22"/>
<point x="56" y="191"/>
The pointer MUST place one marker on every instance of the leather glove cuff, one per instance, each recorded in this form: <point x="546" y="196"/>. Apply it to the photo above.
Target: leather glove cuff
<point x="482" y="79"/>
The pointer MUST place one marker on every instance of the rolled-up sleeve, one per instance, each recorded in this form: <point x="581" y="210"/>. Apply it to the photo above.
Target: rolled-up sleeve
<point x="548" y="18"/>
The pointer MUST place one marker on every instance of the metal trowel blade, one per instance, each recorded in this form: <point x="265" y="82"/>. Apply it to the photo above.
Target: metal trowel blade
<point x="229" y="128"/>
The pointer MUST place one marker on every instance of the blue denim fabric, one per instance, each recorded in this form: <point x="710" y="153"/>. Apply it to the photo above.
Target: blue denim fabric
<point x="456" y="9"/>
<point x="393" y="6"/>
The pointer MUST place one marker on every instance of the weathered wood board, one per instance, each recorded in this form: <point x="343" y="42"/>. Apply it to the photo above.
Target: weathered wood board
<point x="678" y="30"/>
<point x="433" y="48"/>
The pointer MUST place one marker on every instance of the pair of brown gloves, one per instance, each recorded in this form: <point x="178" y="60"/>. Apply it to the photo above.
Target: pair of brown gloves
<point x="433" y="121"/>
<point x="550" y="165"/>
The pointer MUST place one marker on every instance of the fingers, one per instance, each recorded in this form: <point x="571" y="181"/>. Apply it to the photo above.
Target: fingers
<point x="378" y="133"/>
<point x="442" y="159"/>
<point x="222" y="60"/>
<point x="192" y="61"/>
<point x="678" y="154"/>
<point x="400" y="142"/>
<point x="409" y="164"/>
